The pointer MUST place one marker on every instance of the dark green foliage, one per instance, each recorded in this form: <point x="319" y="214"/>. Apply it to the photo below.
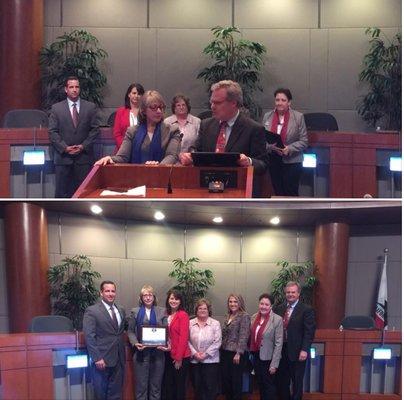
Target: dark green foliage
<point x="382" y="72"/>
<point x="72" y="287"/>
<point x="75" y="53"/>
<point x="302" y="273"/>
<point x="193" y="283"/>
<point x="239" y="60"/>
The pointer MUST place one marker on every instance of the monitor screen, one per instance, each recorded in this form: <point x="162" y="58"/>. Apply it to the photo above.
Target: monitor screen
<point x="76" y="361"/>
<point x="34" y="157"/>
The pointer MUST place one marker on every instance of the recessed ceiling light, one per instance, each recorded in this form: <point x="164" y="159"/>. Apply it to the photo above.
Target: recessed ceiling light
<point x="96" y="209"/>
<point x="217" y="220"/>
<point x="275" y="220"/>
<point x="159" y="215"/>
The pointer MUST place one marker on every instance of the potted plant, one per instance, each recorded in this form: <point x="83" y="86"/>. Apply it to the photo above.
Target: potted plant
<point x="73" y="288"/>
<point x="193" y="283"/>
<point x="303" y="273"/>
<point x="76" y="53"/>
<point x="236" y="59"/>
<point x="382" y="72"/>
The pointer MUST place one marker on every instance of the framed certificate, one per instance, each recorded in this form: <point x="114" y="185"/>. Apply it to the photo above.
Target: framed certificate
<point x="154" y="335"/>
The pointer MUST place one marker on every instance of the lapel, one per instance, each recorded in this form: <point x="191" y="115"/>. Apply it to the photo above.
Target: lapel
<point x="235" y="133"/>
<point x="107" y="315"/>
<point x="295" y="312"/>
<point x="270" y="322"/>
<point x="165" y="135"/>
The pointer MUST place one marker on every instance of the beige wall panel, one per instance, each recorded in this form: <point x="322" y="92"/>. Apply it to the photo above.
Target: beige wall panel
<point x="306" y="246"/>
<point x="109" y="270"/>
<point x="179" y="59"/>
<point x="395" y="299"/>
<point x="105" y="13"/>
<point x="213" y="245"/>
<point x="351" y="14"/>
<point x="349" y="120"/>
<point x="371" y="248"/>
<point x="53" y="232"/>
<point x="190" y="14"/>
<point x="148" y="58"/>
<point x="122" y="63"/>
<point x="276" y="14"/>
<point x="92" y="236"/>
<point x="155" y="242"/>
<point x="317" y="99"/>
<point x="52" y="12"/>
<point x="258" y="281"/>
<point x="126" y="292"/>
<point x="287" y="64"/>
<point x="270" y="245"/>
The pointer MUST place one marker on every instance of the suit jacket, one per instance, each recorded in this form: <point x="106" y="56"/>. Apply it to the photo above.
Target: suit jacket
<point x="296" y="136"/>
<point x="161" y="317"/>
<point x="62" y="132"/>
<point x="247" y="136"/>
<point x="103" y="340"/>
<point x="236" y="334"/>
<point x="272" y="339"/>
<point x="300" y="330"/>
<point x="170" y="143"/>
<point x="121" y="124"/>
<point x="179" y="336"/>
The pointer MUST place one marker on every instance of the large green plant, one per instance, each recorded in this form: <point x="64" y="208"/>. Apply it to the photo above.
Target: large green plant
<point x="75" y="53"/>
<point x="72" y="287"/>
<point x="299" y="272"/>
<point x="382" y="72"/>
<point x="237" y="59"/>
<point x="193" y="283"/>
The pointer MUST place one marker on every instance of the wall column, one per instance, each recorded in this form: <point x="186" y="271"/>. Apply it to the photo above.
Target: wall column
<point x="331" y="260"/>
<point x="26" y="240"/>
<point x="21" y="38"/>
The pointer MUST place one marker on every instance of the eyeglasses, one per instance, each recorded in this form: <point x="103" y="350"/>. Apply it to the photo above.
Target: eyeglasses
<point x="155" y="107"/>
<point x="147" y="295"/>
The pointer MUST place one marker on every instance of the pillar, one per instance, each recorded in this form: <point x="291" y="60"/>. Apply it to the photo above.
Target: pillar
<point x="26" y="241"/>
<point x="331" y="261"/>
<point x="21" y="38"/>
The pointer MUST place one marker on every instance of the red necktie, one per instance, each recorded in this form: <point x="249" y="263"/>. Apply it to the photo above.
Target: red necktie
<point x="75" y="115"/>
<point x="221" y="139"/>
<point x="286" y="319"/>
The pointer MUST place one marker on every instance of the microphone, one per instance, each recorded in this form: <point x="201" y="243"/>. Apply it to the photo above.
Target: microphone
<point x="169" y="186"/>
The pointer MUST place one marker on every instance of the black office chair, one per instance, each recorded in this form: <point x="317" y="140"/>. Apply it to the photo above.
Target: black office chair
<point x="25" y="119"/>
<point x="51" y="323"/>
<point x="205" y="114"/>
<point x="111" y="119"/>
<point x="358" y="322"/>
<point x="320" y="122"/>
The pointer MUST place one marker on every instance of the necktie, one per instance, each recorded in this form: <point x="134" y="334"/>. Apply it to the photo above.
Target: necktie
<point x="75" y="115"/>
<point x="221" y="139"/>
<point x="286" y="318"/>
<point x="114" y="318"/>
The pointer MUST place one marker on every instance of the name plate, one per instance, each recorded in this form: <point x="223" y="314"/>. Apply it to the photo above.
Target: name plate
<point x="154" y="336"/>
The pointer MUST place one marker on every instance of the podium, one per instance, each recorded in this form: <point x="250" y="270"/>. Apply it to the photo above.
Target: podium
<point x="186" y="182"/>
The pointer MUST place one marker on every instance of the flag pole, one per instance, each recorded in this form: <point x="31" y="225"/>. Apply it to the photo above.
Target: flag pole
<point x="386" y="252"/>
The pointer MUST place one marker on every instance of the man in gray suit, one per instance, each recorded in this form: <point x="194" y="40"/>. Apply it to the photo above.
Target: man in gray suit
<point x="73" y="127"/>
<point x="103" y="327"/>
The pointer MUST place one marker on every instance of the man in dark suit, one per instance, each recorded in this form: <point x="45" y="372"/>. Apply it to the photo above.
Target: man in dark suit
<point x="73" y="127"/>
<point x="299" y="327"/>
<point x="229" y="130"/>
<point x="103" y="327"/>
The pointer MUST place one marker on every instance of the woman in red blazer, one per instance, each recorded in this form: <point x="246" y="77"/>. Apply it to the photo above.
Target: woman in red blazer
<point x="177" y="361"/>
<point x="127" y="116"/>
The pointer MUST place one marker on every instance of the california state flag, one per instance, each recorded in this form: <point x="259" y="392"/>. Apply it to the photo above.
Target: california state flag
<point x="381" y="305"/>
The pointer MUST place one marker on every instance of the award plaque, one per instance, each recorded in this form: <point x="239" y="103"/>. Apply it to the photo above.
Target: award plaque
<point x="154" y="336"/>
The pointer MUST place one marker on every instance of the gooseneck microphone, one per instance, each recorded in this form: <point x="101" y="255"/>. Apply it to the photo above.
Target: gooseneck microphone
<point x="169" y="186"/>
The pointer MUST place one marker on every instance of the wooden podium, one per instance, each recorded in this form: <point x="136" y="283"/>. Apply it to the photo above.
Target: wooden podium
<point x="186" y="182"/>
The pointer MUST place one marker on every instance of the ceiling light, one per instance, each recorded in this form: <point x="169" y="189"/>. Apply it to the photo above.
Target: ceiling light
<point x="159" y="215"/>
<point x="96" y="209"/>
<point x="275" y="220"/>
<point x="217" y="220"/>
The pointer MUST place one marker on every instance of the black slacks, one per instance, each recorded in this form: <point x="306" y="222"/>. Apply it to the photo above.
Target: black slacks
<point x="108" y="383"/>
<point x="69" y="177"/>
<point x="232" y="375"/>
<point x="205" y="380"/>
<point x="175" y="380"/>
<point x="290" y="371"/>
<point x="285" y="178"/>
<point x="266" y="381"/>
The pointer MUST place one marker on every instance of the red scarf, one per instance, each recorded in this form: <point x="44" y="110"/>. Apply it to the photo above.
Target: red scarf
<point x="275" y="123"/>
<point x="255" y="344"/>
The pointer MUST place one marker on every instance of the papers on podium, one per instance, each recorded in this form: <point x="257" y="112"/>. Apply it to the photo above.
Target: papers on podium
<point x="139" y="191"/>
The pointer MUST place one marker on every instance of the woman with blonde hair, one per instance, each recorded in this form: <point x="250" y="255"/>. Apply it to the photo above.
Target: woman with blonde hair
<point x="150" y="142"/>
<point x="235" y="334"/>
<point x="148" y="362"/>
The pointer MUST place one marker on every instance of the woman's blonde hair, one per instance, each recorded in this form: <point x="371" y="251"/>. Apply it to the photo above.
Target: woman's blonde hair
<point x="143" y="290"/>
<point x="150" y="97"/>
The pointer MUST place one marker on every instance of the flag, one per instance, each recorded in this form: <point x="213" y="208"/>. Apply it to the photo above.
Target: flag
<point x="381" y="304"/>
